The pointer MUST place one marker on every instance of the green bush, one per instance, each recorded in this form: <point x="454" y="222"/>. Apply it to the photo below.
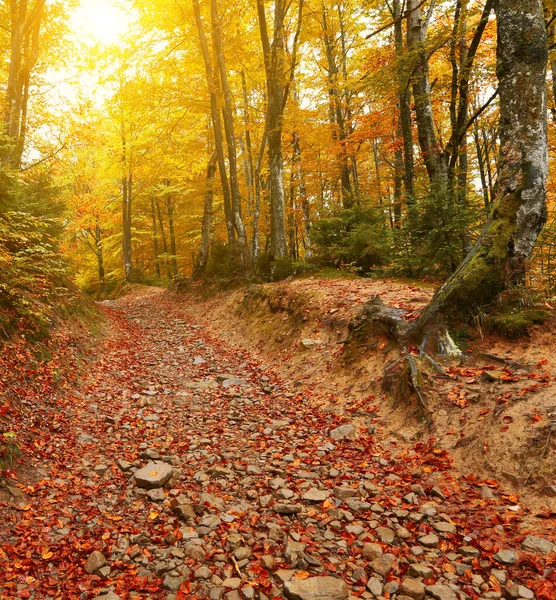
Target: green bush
<point x="356" y="238"/>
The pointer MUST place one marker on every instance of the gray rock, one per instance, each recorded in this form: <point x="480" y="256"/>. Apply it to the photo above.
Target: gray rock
<point x="287" y="509"/>
<point x="308" y="343"/>
<point x="412" y="588"/>
<point x="316" y="495"/>
<point x="441" y="592"/>
<point x="520" y="591"/>
<point x="383" y="564"/>
<point x="536" y="544"/>
<point x="154" y="475"/>
<point x="345" y="492"/>
<point x="172" y="583"/>
<point x="385" y="534"/>
<point x="444" y="527"/>
<point x="371" y="551"/>
<point x="420" y="570"/>
<point x="429" y="541"/>
<point x="507" y="557"/>
<point x="344" y="431"/>
<point x="316" y="588"/>
<point x="375" y="586"/>
<point x="108" y="596"/>
<point x="203" y="573"/>
<point x="95" y="561"/>
<point x="157" y="495"/>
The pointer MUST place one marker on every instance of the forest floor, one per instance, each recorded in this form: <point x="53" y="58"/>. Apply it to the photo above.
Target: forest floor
<point x="267" y="475"/>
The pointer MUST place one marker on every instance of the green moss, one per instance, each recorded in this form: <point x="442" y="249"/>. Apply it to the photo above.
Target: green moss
<point x="516" y="322"/>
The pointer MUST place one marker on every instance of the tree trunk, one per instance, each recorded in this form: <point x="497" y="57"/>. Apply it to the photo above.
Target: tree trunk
<point x="204" y="249"/>
<point x="164" y="241"/>
<point x="25" y="24"/>
<point x="173" y="249"/>
<point x="127" y="197"/>
<point x="100" y="259"/>
<point x="155" y="240"/>
<point x="433" y="156"/>
<point x="405" y="113"/>
<point x="212" y="84"/>
<point x="500" y="255"/>
<point x="274" y="56"/>
<point x="242" y="249"/>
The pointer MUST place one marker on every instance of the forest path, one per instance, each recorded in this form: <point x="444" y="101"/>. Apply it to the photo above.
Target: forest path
<point x="266" y="499"/>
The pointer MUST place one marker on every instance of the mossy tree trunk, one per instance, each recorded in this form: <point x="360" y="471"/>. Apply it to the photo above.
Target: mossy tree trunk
<point x="500" y="255"/>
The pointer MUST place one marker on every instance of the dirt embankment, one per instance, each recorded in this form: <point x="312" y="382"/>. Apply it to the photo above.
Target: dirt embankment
<point x="494" y="410"/>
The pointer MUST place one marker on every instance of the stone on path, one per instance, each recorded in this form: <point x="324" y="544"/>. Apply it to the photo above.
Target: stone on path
<point x="441" y="592"/>
<point x="344" y="431"/>
<point x="316" y="588"/>
<point x="536" y="544"/>
<point x="507" y="557"/>
<point x="315" y="495"/>
<point x="154" y="475"/>
<point x="95" y="561"/>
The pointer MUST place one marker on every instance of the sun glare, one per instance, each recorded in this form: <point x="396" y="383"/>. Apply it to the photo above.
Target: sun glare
<point x="100" y="21"/>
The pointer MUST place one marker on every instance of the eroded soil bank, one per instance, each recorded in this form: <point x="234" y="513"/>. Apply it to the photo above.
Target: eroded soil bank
<point x="186" y="466"/>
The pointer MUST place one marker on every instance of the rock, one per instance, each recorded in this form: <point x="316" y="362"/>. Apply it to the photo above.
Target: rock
<point x="124" y="465"/>
<point x="287" y="509"/>
<point x="385" y="534"/>
<point x="242" y="553"/>
<point x="154" y="475"/>
<point x="499" y="575"/>
<point x="375" y="586"/>
<point x="383" y="564"/>
<point x="316" y="495"/>
<point x="345" y="492"/>
<point x="233" y="381"/>
<point x="108" y="596"/>
<point x="420" y="570"/>
<point x="95" y="561"/>
<point x="507" y="557"/>
<point x="550" y="491"/>
<point x="316" y="588"/>
<point x="371" y="551"/>
<point x="441" y="592"/>
<point x="536" y="544"/>
<point x="344" y="431"/>
<point x="216" y="593"/>
<point x="412" y="588"/>
<point x="268" y="562"/>
<point x="444" y="527"/>
<point x="486" y="492"/>
<point x="203" y="573"/>
<point x="157" y="495"/>
<point x="232" y="583"/>
<point x="429" y="541"/>
<point x="436" y="492"/>
<point x="308" y="343"/>
<point x="172" y="583"/>
<point x="520" y="591"/>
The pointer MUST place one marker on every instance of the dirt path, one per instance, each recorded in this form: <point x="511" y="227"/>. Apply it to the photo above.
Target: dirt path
<point x="266" y="498"/>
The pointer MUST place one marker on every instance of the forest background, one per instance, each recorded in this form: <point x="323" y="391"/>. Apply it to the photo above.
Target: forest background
<point x="155" y="140"/>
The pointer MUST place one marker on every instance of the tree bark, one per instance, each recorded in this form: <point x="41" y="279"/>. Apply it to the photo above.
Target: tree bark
<point x="405" y="113"/>
<point x="25" y="24"/>
<point x="499" y="257"/>
<point x="171" y="228"/>
<point x="127" y="199"/>
<point x="100" y="259"/>
<point x="155" y="240"/>
<point x="274" y="59"/>
<point x="204" y="249"/>
<point x="242" y="249"/>
<point x="217" y="126"/>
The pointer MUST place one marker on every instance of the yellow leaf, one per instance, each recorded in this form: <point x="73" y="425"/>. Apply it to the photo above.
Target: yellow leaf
<point x="153" y="514"/>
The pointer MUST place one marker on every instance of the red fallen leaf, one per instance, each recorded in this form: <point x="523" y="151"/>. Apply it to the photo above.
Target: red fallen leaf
<point x="504" y="428"/>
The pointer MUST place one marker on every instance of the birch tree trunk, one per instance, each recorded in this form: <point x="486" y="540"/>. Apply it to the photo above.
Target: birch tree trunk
<point x="204" y="249"/>
<point x="499" y="258"/>
<point x="242" y="248"/>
